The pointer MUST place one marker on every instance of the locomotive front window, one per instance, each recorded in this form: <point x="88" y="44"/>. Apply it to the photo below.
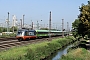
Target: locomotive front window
<point x="19" y="33"/>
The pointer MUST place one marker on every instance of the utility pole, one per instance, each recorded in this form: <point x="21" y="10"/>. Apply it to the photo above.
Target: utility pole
<point x="8" y="23"/>
<point x="23" y="20"/>
<point x="21" y="23"/>
<point x="1" y="24"/>
<point x="13" y="24"/>
<point x="37" y="25"/>
<point x="32" y="25"/>
<point x="62" y="27"/>
<point x="50" y="26"/>
<point x="56" y="27"/>
<point x="67" y="28"/>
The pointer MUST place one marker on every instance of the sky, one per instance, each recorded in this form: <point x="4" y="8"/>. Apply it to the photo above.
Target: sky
<point x="37" y="10"/>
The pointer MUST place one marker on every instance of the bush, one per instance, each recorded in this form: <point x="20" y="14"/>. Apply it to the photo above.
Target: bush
<point x="8" y="35"/>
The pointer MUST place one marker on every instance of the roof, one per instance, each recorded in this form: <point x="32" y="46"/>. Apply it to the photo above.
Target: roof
<point x="42" y="30"/>
<point x="47" y="31"/>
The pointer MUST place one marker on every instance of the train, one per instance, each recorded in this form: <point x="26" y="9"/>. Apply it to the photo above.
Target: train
<point x="25" y="34"/>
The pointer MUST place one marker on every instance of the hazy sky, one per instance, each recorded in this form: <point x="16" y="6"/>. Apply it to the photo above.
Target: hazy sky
<point x="39" y="10"/>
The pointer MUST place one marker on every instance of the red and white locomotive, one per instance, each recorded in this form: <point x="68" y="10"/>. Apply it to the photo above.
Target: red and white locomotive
<point x="25" y="34"/>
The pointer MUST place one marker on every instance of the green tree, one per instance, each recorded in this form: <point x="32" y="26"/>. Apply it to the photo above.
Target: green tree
<point x="81" y="26"/>
<point x="84" y="17"/>
<point x="4" y="29"/>
<point x="11" y="29"/>
<point x="75" y="26"/>
<point x="1" y="29"/>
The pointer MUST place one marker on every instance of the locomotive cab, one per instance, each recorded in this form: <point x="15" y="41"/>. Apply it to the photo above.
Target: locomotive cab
<point x="25" y="34"/>
<point x="20" y="34"/>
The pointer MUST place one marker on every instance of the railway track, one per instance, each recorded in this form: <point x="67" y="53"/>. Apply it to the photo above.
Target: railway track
<point x="6" y="43"/>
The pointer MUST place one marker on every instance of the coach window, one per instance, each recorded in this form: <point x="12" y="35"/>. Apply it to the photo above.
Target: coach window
<point x="45" y="32"/>
<point x="42" y="32"/>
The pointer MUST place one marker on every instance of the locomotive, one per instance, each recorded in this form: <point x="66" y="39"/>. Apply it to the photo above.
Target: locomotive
<point x="25" y="34"/>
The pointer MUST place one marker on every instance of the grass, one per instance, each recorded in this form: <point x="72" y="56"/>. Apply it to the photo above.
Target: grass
<point x="12" y="53"/>
<point x="34" y="51"/>
<point x="77" y="54"/>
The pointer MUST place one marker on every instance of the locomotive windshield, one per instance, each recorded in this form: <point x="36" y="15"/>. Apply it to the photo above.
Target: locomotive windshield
<point x="20" y="33"/>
